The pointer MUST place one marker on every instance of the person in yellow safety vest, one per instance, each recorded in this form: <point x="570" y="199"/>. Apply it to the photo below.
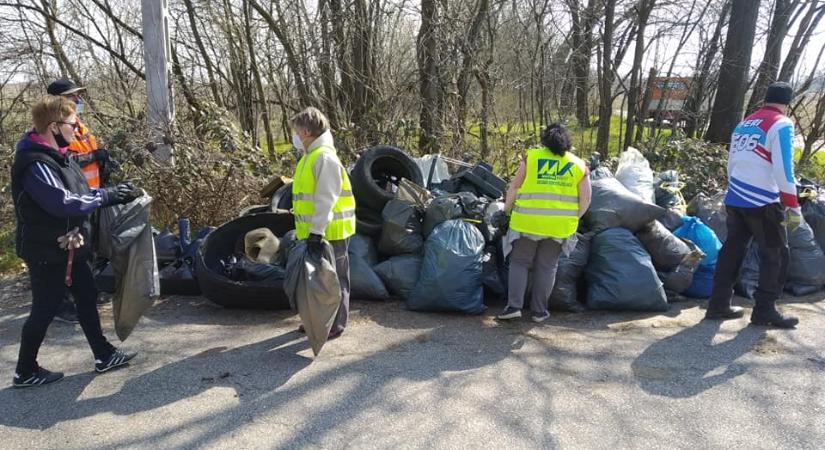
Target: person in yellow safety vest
<point x="550" y="192"/>
<point x="93" y="161"/>
<point x="322" y="200"/>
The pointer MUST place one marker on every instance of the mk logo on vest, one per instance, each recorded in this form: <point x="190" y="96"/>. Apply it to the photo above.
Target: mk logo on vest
<point x="549" y="171"/>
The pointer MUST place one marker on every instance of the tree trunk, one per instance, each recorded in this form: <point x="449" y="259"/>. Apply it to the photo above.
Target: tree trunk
<point x="643" y="10"/>
<point x="582" y="39"/>
<point x="259" y="86"/>
<point x="606" y="81"/>
<point x="430" y="79"/>
<point x="733" y="75"/>
<point x="801" y="39"/>
<point x="769" y="67"/>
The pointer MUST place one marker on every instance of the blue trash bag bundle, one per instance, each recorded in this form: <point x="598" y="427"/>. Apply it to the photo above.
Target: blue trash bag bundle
<point x="451" y="271"/>
<point x="703" y="236"/>
<point x="620" y="274"/>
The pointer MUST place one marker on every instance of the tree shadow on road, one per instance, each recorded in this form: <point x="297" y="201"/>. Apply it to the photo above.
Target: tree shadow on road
<point x="689" y="363"/>
<point x="239" y="368"/>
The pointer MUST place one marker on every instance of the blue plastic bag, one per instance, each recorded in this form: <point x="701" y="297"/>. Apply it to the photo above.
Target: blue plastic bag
<point x="703" y="236"/>
<point x="451" y="272"/>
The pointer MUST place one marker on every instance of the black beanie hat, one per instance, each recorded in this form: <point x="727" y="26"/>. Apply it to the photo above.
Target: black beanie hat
<point x="779" y="92"/>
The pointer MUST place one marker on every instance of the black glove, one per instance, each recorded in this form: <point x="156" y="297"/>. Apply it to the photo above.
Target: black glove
<point x="122" y="193"/>
<point x="315" y="247"/>
<point x="101" y="155"/>
<point x="500" y="220"/>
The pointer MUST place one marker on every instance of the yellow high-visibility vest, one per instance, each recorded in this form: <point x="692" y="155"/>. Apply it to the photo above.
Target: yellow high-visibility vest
<point x="342" y="225"/>
<point x="547" y="203"/>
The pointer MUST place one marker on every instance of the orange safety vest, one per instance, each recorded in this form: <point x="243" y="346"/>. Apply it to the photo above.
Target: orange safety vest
<point x="85" y="142"/>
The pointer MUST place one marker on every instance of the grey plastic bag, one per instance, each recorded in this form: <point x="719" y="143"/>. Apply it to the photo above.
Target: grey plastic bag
<point x="614" y="206"/>
<point x="441" y="209"/>
<point x="400" y="274"/>
<point x="401" y="232"/>
<point x="133" y="261"/>
<point x="313" y="289"/>
<point x="666" y="250"/>
<point x="620" y="274"/>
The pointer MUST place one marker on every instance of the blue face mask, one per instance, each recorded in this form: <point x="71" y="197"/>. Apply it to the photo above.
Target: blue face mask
<point x="79" y="106"/>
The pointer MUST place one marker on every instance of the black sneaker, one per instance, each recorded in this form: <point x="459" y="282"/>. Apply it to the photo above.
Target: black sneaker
<point x="509" y="313"/>
<point x="39" y="378"/>
<point x="733" y="312"/>
<point x="773" y="319"/>
<point x="540" y="317"/>
<point x="118" y="359"/>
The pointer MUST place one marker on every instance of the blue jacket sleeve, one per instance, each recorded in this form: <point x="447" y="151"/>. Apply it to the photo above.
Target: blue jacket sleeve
<point x="46" y="188"/>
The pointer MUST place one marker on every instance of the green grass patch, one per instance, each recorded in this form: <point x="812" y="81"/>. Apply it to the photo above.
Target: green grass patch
<point x="9" y="262"/>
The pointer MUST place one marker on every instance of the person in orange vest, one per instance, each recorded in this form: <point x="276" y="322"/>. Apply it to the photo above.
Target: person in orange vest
<point x="94" y="162"/>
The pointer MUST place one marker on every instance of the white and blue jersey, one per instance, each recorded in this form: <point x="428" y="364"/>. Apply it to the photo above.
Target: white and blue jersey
<point x="760" y="164"/>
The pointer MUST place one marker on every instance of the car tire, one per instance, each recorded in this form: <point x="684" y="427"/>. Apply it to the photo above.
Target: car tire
<point x="377" y="167"/>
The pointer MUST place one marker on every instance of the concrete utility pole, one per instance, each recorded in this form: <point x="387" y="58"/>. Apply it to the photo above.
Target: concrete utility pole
<point x="157" y="55"/>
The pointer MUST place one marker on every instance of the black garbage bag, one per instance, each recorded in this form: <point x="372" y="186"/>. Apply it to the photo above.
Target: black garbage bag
<point x="493" y="277"/>
<point x="814" y="213"/>
<point x="494" y="222"/>
<point x="454" y="206"/>
<point x="178" y="278"/>
<point x="679" y="279"/>
<point x="400" y="274"/>
<point x="749" y="273"/>
<point x="672" y="219"/>
<point x="806" y="269"/>
<point x="668" y="191"/>
<point x="621" y="276"/>
<point x="365" y="284"/>
<point x="712" y="212"/>
<point x="401" y="232"/>
<point x="615" y="206"/>
<point x="451" y="272"/>
<point x="240" y="268"/>
<point x="441" y="209"/>
<point x="565" y="296"/>
<point x="287" y="244"/>
<point x="666" y="250"/>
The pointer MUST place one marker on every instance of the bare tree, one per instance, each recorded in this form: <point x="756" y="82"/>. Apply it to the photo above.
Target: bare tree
<point x="733" y="77"/>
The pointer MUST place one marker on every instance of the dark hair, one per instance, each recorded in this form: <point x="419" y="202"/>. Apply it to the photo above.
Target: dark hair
<point x="556" y="138"/>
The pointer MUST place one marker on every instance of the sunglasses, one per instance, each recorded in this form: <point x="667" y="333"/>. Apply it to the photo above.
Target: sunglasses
<point x="75" y="125"/>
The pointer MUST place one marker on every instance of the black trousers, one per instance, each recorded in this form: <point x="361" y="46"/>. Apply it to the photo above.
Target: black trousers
<point x="48" y="291"/>
<point x="763" y="225"/>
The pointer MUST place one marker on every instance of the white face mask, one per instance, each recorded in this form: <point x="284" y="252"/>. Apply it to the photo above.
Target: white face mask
<point x="296" y="142"/>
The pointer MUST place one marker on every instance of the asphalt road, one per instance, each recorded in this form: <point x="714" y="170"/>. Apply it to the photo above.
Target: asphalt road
<point x="213" y="378"/>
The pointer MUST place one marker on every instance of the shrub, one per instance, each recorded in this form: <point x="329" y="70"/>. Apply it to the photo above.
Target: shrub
<point x="702" y="166"/>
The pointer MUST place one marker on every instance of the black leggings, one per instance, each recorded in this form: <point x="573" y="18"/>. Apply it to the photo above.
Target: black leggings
<point x="48" y="291"/>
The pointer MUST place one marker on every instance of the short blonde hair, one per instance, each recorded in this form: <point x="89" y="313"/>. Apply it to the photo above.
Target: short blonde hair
<point x="49" y="109"/>
<point x="312" y="120"/>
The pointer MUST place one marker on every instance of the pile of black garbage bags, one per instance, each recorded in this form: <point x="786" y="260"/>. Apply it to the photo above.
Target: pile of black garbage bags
<point x="435" y="240"/>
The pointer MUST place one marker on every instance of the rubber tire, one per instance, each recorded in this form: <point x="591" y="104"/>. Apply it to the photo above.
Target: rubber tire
<point x="376" y="163"/>
<point x="254" y="209"/>
<point x="228" y="239"/>
<point x="282" y="198"/>
<point x="368" y="222"/>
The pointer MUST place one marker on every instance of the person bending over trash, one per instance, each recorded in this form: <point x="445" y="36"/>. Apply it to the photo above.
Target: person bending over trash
<point x="761" y="205"/>
<point x="52" y="203"/>
<point x="322" y="200"/>
<point x="550" y="192"/>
